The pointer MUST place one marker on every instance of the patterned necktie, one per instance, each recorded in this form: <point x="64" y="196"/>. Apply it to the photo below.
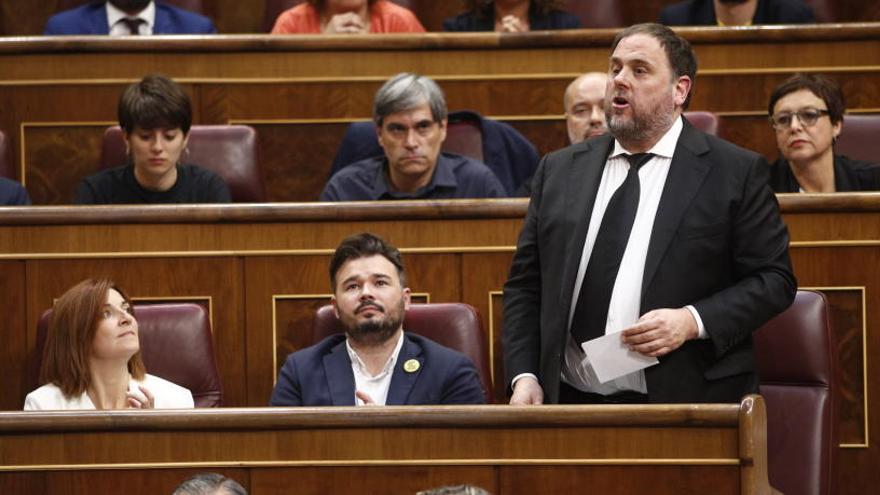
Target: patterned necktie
<point x="591" y="311"/>
<point x="133" y="24"/>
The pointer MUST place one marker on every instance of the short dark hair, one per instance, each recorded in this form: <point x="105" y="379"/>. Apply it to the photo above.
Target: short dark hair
<point x="361" y="246"/>
<point x="208" y="484"/>
<point x="823" y="87"/>
<point x="155" y="102"/>
<point x="678" y="50"/>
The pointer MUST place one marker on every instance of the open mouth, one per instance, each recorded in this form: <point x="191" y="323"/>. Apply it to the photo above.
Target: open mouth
<point x="619" y="102"/>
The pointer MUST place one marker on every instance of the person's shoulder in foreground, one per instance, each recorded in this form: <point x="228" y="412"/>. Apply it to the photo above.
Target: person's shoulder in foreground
<point x="12" y="193"/>
<point x="118" y="186"/>
<point x="443" y="375"/>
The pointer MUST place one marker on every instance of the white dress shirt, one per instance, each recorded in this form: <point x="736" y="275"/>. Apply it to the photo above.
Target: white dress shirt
<point x="117" y="28"/>
<point x="375" y="386"/>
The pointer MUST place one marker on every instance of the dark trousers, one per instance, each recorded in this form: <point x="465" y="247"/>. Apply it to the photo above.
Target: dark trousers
<point x="571" y="395"/>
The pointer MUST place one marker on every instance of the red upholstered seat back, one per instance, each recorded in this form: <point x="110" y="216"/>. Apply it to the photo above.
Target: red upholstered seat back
<point x="704" y="121"/>
<point x="797" y="366"/>
<point x="176" y="344"/>
<point x="464" y="137"/>
<point x="228" y="150"/>
<point x="860" y="138"/>
<point x="453" y="325"/>
<point x="191" y="5"/>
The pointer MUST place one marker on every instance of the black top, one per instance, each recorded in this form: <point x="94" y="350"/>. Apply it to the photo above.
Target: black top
<point x="702" y="13"/>
<point x="12" y="193"/>
<point x="455" y="176"/>
<point x="471" y="21"/>
<point x="119" y="186"/>
<point x="849" y="175"/>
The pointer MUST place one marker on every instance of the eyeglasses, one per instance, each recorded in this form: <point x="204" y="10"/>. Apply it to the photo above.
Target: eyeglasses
<point x="806" y="116"/>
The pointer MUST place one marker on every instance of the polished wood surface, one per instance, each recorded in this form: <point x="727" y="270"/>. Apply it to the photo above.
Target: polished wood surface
<point x="507" y="450"/>
<point x="301" y="105"/>
<point x="262" y="269"/>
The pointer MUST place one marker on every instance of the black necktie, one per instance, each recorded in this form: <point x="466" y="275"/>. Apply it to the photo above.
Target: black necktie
<point x="133" y="24"/>
<point x="591" y="311"/>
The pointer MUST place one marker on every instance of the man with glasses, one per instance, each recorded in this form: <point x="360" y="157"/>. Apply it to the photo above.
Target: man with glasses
<point x="410" y="116"/>
<point x="806" y="113"/>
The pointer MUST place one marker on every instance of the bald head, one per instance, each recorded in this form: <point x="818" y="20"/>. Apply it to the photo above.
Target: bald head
<point x="584" y="109"/>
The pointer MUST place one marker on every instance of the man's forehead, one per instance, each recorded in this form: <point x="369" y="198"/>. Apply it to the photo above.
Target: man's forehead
<point x="368" y="266"/>
<point x="416" y="114"/>
<point x="639" y="47"/>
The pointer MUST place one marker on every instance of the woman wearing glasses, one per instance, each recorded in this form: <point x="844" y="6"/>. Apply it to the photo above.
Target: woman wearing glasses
<point x="806" y="112"/>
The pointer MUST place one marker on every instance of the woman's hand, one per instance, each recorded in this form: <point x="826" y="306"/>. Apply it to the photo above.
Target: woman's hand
<point x="142" y="400"/>
<point x="513" y="24"/>
<point x="348" y="22"/>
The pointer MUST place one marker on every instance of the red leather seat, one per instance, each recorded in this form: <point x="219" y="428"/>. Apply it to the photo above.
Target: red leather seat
<point x="191" y="5"/>
<point x="454" y="325"/>
<point x="597" y="13"/>
<point x="796" y="359"/>
<point x="859" y="138"/>
<point x="176" y="344"/>
<point x="274" y="8"/>
<point x="704" y="121"/>
<point x="228" y="150"/>
<point x="464" y="137"/>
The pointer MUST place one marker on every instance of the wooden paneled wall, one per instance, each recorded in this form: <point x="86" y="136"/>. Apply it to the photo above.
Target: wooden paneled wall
<point x="263" y="270"/>
<point x="26" y="17"/>
<point x="58" y="96"/>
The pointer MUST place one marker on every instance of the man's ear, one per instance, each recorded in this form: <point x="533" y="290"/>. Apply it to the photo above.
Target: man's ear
<point x="335" y="306"/>
<point x="407" y="298"/>
<point x="682" y="90"/>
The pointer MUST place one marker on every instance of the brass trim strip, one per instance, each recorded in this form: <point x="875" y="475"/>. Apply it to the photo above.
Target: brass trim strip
<point x="492" y="331"/>
<point x="408" y="462"/>
<point x="254" y="252"/>
<point x="863" y="290"/>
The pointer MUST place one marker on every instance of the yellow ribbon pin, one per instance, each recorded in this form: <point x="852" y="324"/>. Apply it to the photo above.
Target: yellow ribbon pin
<point x="411" y="366"/>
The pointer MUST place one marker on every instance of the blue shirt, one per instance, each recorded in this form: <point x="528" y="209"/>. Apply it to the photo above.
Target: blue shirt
<point x="454" y="177"/>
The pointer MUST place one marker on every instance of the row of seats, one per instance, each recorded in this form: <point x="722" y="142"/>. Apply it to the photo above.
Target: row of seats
<point x="231" y="151"/>
<point x="795" y="355"/>
<point x="592" y="13"/>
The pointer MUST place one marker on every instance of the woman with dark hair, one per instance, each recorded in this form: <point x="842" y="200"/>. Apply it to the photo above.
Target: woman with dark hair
<point x="347" y="17"/>
<point x="511" y="16"/>
<point x="92" y="357"/>
<point x="806" y="112"/>
<point x="155" y="115"/>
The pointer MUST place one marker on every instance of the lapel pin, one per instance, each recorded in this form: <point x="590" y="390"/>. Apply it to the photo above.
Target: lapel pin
<point x="411" y="366"/>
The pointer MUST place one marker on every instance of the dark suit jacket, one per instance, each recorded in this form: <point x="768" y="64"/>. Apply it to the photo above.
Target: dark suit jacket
<point x="702" y="13"/>
<point x="471" y="21"/>
<point x="321" y="375"/>
<point x="849" y="175"/>
<point x="717" y="243"/>
<point x="91" y="18"/>
<point x="12" y="193"/>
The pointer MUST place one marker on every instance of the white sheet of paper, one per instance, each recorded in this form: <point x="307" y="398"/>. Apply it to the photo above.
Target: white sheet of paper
<point x="611" y="359"/>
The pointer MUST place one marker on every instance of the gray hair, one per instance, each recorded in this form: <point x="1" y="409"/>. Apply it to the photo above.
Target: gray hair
<point x="406" y="91"/>
<point x="209" y="484"/>
<point x="455" y="490"/>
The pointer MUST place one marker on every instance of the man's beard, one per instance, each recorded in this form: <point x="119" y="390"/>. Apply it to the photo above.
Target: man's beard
<point x="375" y="330"/>
<point x="130" y="6"/>
<point x="641" y="125"/>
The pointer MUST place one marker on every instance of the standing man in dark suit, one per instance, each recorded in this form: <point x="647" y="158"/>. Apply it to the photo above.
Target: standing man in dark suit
<point x="128" y="17"/>
<point x="704" y="263"/>
<point x="375" y="362"/>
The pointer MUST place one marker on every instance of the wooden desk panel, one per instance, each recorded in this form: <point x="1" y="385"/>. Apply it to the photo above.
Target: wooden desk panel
<point x="505" y="449"/>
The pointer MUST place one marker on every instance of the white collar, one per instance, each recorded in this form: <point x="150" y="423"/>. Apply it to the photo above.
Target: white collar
<point x="389" y="365"/>
<point x="114" y="15"/>
<point x="664" y="147"/>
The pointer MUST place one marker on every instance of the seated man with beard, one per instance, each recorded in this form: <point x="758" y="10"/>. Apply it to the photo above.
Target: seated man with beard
<point x="375" y="362"/>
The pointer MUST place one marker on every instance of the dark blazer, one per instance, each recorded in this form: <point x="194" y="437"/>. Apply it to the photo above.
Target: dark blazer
<point x="471" y="21"/>
<point x="91" y="18"/>
<point x="849" y="175"/>
<point x="12" y="193"/>
<point x="702" y="13"/>
<point x="321" y="375"/>
<point x="717" y="243"/>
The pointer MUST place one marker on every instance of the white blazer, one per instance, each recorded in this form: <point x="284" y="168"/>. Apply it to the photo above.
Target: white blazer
<point x="167" y="396"/>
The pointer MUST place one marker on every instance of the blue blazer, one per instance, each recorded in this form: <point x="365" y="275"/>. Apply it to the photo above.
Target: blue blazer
<point x="91" y="18"/>
<point x="12" y="193"/>
<point x="321" y="375"/>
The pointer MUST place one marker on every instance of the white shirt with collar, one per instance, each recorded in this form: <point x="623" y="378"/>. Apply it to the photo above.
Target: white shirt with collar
<point x="375" y="386"/>
<point x="114" y="15"/>
<point x="624" y="307"/>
